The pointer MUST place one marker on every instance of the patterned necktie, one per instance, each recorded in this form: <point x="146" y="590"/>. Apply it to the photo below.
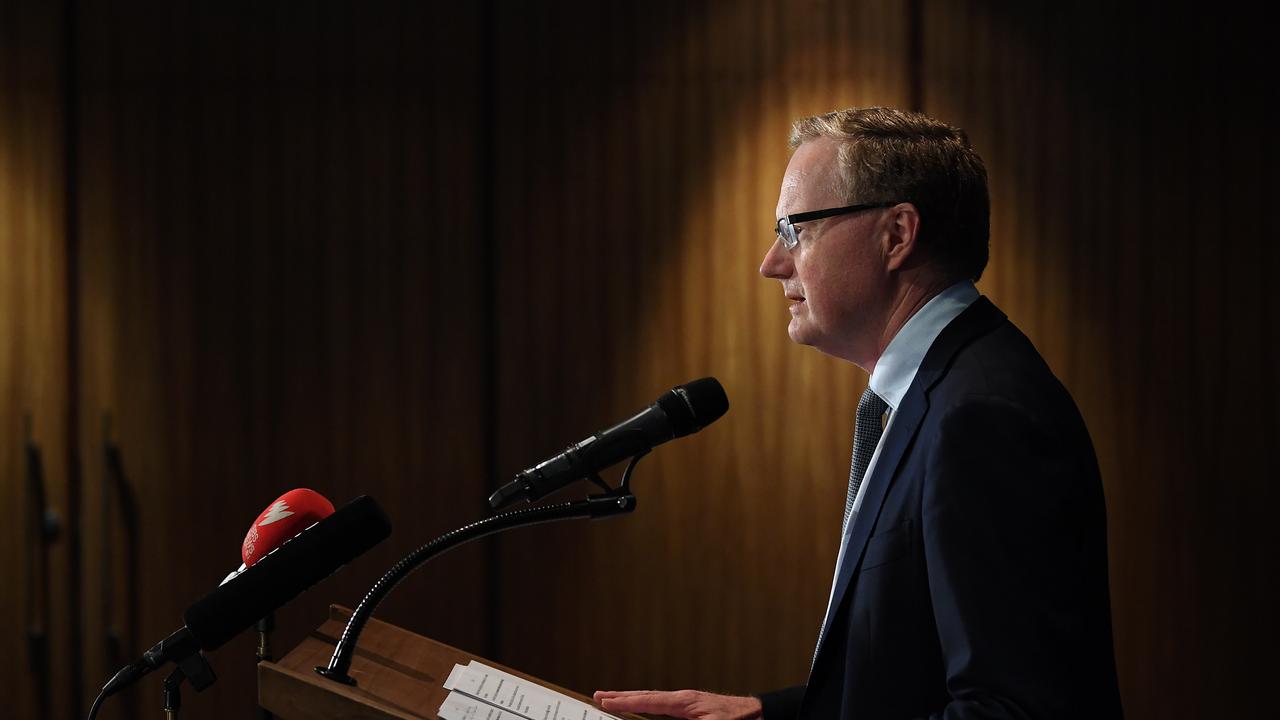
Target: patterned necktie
<point x="867" y="429"/>
<point x="866" y="435"/>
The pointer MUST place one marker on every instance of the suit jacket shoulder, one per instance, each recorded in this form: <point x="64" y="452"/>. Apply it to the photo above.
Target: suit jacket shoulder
<point x="977" y="584"/>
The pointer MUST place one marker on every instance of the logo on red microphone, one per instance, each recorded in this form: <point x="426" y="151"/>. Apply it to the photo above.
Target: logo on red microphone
<point x="279" y="510"/>
<point x="251" y="539"/>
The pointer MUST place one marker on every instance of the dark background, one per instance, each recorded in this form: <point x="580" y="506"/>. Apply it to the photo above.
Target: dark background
<point x="407" y="248"/>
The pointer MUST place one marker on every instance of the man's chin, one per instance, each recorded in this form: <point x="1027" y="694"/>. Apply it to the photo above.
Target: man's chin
<point x="799" y="334"/>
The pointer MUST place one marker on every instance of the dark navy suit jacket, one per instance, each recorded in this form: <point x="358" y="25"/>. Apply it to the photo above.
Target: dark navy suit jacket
<point x="975" y="580"/>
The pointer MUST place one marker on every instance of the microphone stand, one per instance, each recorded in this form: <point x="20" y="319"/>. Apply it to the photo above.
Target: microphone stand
<point x="194" y="668"/>
<point x="614" y="501"/>
<point x="264" y="629"/>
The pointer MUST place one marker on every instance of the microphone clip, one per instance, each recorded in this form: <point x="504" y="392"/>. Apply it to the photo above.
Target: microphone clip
<point x="194" y="668"/>
<point x="524" y="485"/>
<point x="614" y="501"/>
<point x="624" y="487"/>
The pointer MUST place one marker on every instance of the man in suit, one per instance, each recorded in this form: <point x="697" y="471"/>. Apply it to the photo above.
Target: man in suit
<point x="972" y="574"/>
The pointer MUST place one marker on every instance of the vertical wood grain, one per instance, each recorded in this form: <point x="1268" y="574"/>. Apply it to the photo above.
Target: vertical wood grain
<point x="284" y="281"/>
<point x="636" y="192"/>
<point x="1126" y="145"/>
<point x="1127" y="158"/>
<point x="33" y="343"/>
<point x="280" y="287"/>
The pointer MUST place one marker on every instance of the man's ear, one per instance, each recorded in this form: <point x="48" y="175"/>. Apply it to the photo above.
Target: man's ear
<point x="902" y="230"/>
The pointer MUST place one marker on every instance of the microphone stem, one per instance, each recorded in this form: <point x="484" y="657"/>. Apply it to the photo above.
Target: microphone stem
<point x="593" y="507"/>
<point x="264" y="628"/>
<point x="172" y="691"/>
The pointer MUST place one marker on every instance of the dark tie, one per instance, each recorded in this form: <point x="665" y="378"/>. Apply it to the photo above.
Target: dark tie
<point x="866" y="435"/>
<point x="867" y="429"/>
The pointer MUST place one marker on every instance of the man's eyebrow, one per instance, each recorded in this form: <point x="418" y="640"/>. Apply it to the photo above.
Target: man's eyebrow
<point x="790" y="191"/>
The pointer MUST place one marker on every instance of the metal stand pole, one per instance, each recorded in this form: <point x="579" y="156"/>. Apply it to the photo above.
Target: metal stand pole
<point x="194" y="668"/>
<point x="264" y="627"/>
<point x="173" y="694"/>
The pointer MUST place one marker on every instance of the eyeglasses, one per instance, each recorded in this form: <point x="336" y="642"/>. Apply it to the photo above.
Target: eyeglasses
<point x="786" y="227"/>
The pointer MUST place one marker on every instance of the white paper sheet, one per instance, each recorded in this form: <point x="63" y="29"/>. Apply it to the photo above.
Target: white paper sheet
<point x="480" y="692"/>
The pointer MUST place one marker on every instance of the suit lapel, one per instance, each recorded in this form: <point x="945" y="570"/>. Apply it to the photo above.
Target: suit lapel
<point x="903" y="425"/>
<point x="978" y="319"/>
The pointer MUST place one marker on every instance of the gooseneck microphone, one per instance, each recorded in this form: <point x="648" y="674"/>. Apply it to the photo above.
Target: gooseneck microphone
<point x="273" y="579"/>
<point x="680" y="411"/>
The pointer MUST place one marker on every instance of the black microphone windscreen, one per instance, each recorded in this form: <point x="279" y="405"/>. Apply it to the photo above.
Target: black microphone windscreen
<point x="283" y="574"/>
<point x="694" y="405"/>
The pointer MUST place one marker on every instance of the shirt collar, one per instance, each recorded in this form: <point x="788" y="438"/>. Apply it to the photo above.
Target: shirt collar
<point x="897" y="366"/>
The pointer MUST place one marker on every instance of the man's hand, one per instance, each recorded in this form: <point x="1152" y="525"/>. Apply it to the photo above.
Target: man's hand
<point x="691" y="704"/>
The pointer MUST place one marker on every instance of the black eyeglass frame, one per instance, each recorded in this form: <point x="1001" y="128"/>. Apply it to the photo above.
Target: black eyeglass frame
<point x="786" y="230"/>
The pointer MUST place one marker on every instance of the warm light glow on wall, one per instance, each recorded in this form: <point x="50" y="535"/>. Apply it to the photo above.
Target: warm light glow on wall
<point x="734" y="507"/>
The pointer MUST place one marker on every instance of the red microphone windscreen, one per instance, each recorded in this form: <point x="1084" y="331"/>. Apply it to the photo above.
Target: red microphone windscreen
<point x="289" y="515"/>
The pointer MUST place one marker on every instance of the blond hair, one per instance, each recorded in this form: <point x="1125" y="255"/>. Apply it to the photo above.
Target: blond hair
<point x="889" y="155"/>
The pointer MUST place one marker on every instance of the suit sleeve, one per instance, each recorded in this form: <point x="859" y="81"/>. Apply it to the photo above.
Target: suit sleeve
<point x="1012" y="520"/>
<point x="782" y="704"/>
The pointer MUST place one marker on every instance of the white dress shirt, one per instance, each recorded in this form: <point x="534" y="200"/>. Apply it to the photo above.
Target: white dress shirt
<point x="896" y="369"/>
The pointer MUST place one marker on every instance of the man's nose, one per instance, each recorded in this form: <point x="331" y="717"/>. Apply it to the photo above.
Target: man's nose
<point x="777" y="262"/>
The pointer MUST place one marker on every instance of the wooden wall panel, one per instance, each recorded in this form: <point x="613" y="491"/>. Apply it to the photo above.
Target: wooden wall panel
<point x="1128" y="157"/>
<point x="639" y="154"/>
<point x="282" y="269"/>
<point x="392" y="247"/>
<point x="1128" y="150"/>
<point x="33" y="351"/>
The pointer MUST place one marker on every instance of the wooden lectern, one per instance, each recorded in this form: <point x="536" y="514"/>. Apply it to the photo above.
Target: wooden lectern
<point x="398" y="675"/>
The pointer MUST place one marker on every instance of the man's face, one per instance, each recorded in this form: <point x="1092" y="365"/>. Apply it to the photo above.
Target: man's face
<point x="835" y="278"/>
